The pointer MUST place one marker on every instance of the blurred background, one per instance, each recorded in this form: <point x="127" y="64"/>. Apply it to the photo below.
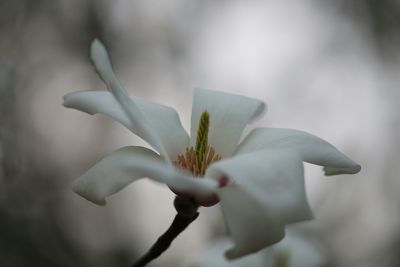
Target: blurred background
<point x="330" y="68"/>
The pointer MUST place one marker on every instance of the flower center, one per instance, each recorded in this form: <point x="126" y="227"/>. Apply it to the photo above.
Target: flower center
<point x="197" y="159"/>
<point x="190" y="161"/>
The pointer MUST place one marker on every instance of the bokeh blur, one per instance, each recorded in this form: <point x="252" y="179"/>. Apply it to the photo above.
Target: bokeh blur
<point x="330" y="68"/>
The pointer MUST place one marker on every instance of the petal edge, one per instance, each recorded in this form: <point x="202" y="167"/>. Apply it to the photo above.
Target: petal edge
<point x="310" y="148"/>
<point x="128" y="164"/>
<point x="164" y="120"/>
<point x="229" y="115"/>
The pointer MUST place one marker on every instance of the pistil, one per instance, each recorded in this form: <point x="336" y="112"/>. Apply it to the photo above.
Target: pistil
<point x="197" y="159"/>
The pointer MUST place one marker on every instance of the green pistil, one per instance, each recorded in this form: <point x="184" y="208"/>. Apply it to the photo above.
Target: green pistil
<point x="202" y="137"/>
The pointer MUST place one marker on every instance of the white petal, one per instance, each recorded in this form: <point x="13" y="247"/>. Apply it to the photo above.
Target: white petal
<point x="162" y="119"/>
<point x="302" y="252"/>
<point x="310" y="148"/>
<point x="266" y="193"/>
<point x="229" y="114"/>
<point x="213" y="257"/>
<point x="127" y="165"/>
<point x="103" y="67"/>
<point x="251" y="226"/>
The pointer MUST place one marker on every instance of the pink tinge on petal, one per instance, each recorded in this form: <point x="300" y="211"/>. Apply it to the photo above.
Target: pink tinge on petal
<point x="223" y="181"/>
<point x="204" y="201"/>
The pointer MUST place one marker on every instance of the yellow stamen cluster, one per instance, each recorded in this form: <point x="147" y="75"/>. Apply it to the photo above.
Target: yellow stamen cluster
<point x="197" y="159"/>
<point x="190" y="162"/>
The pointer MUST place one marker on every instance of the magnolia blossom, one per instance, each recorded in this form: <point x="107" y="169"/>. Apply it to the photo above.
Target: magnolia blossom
<point x="259" y="182"/>
<point x="295" y="250"/>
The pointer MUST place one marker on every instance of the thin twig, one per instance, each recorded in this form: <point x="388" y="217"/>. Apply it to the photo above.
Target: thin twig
<point x="180" y="222"/>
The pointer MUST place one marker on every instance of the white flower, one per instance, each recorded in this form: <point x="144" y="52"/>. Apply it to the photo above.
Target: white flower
<point x="259" y="182"/>
<point x="295" y="250"/>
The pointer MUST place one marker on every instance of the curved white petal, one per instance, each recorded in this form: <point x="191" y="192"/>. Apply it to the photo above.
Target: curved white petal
<point x="213" y="257"/>
<point x="250" y="225"/>
<point x="229" y="114"/>
<point x="301" y="251"/>
<point x="310" y="148"/>
<point x="266" y="193"/>
<point x="295" y="250"/>
<point x="127" y="165"/>
<point x="163" y="120"/>
<point x="103" y="67"/>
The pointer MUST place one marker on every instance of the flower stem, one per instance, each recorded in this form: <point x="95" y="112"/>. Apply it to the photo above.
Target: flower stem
<point x="187" y="213"/>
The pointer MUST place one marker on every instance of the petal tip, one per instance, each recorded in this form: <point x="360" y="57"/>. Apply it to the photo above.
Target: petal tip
<point x="97" y="47"/>
<point x="260" y="112"/>
<point x="76" y="100"/>
<point x="80" y="188"/>
<point x="231" y="254"/>
<point x="97" y="50"/>
<point x="329" y="171"/>
<point x="358" y="168"/>
<point x="100" y="59"/>
<point x="66" y="100"/>
<point x="96" y="41"/>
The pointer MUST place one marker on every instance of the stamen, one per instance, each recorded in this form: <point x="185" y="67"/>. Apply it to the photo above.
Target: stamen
<point x="188" y="161"/>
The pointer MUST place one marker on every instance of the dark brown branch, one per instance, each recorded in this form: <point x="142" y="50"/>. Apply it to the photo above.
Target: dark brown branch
<point x="187" y="213"/>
